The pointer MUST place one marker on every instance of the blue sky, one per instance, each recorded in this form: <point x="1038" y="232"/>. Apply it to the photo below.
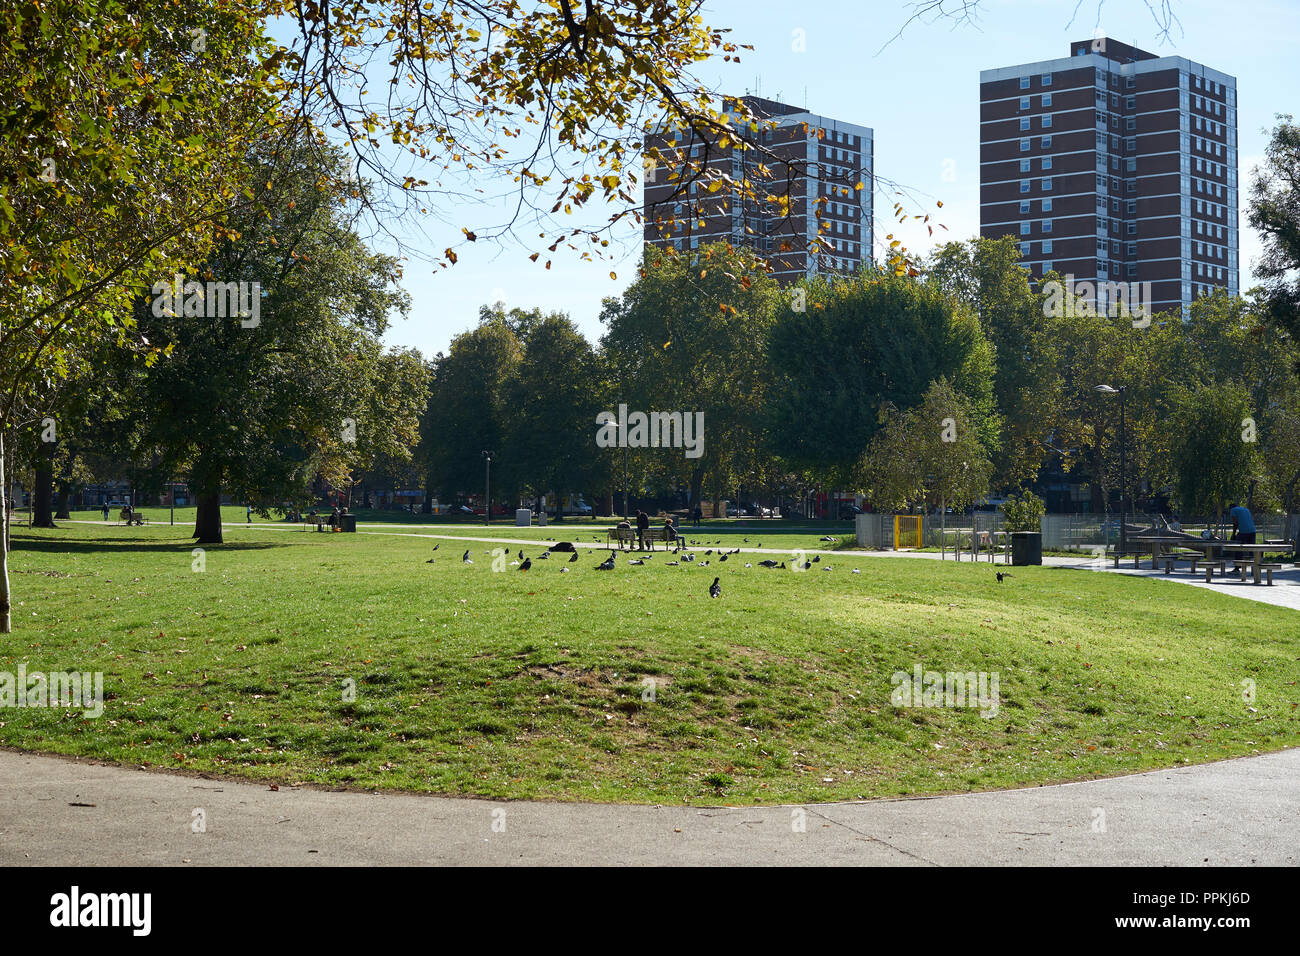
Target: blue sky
<point x="920" y="94"/>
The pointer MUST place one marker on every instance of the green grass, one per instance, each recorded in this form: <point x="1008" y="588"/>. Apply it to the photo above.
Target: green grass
<point x="531" y="684"/>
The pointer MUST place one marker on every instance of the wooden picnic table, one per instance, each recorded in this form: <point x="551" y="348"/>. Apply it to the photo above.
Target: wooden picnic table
<point x="1156" y="543"/>
<point x="1243" y="555"/>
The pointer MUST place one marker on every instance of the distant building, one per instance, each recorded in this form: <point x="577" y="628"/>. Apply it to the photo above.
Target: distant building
<point x="815" y="159"/>
<point x="1116" y="166"/>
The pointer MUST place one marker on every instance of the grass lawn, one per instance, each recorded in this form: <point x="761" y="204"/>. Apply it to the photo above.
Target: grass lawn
<point x="531" y="684"/>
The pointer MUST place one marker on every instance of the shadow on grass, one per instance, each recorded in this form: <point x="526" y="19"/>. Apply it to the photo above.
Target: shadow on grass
<point x="114" y="545"/>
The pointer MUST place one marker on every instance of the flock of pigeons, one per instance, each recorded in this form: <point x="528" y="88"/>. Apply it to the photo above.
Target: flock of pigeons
<point x="683" y="557"/>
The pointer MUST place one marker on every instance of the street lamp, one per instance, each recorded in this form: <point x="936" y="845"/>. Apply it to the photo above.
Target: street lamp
<point x="1123" y="466"/>
<point x="487" y="487"/>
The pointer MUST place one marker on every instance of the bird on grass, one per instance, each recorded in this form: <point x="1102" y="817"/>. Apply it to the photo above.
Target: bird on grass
<point x="672" y="564"/>
<point x="857" y="570"/>
<point x="607" y="564"/>
<point x="1001" y="575"/>
<point x="528" y="563"/>
<point x="704" y="564"/>
<point x="437" y="546"/>
<point x="521" y="554"/>
<point x="635" y="561"/>
<point x="709" y="552"/>
<point x="430" y="561"/>
<point x="564" y="570"/>
<point x="544" y="555"/>
<point x="722" y="557"/>
<point x="574" y="558"/>
<point x="748" y="565"/>
<point x="769" y="563"/>
<point x="816" y="558"/>
<point x="715" y="589"/>
<point x="466" y="558"/>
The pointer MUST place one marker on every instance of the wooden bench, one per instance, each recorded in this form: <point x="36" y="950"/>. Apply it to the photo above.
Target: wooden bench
<point x="1136" y="555"/>
<point x="1212" y="564"/>
<point x="628" y="536"/>
<point x="135" y="519"/>
<point x="311" y="521"/>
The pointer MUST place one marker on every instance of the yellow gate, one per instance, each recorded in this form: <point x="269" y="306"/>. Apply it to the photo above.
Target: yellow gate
<point x="907" y="531"/>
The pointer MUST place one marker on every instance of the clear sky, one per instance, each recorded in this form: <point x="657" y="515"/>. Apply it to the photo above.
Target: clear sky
<point x="920" y="94"/>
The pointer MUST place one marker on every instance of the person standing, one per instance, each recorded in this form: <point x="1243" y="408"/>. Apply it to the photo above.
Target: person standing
<point x="642" y="526"/>
<point x="1243" y="524"/>
<point x="104" y="510"/>
<point x="697" y="514"/>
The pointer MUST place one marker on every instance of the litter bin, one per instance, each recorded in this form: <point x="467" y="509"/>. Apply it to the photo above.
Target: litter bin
<point x="1026" y="548"/>
<point x="523" y="517"/>
<point x="348" y="523"/>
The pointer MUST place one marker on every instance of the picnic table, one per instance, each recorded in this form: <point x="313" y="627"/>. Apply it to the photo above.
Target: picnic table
<point x="1156" y="544"/>
<point x="1245" y="557"/>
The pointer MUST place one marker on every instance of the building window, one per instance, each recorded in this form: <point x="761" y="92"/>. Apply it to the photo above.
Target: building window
<point x="1024" y="82"/>
<point x="1047" y="183"/>
<point x="1132" y="248"/>
<point x="1047" y="247"/>
<point x="1047" y="267"/>
<point x="1024" y="185"/>
<point x="1024" y="206"/>
<point x="1047" y="79"/>
<point x="1047" y="121"/>
<point x="1046" y="142"/>
<point x="1047" y="205"/>
<point x="1024" y="102"/>
<point x="1047" y="162"/>
<point x="1130" y="102"/>
<point x="1024" y="248"/>
<point x="1024" y="145"/>
<point x="1130" y="123"/>
<point x="1131" y="206"/>
<point x="1128" y="82"/>
<point x="1047" y="225"/>
<point x="1132" y="228"/>
<point x="1024" y="122"/>
<point x="1024" y="165"/>
<point x="1024" y="228"/>
<point x="1047" y="99"/>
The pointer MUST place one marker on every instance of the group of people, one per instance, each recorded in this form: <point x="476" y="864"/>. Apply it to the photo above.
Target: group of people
<point x="643" y="525"/>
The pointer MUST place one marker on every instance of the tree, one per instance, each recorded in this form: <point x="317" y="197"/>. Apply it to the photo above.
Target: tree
<point x="986" y="276"/>
<point x="1275" y="214"/>
<point x="688" y="336"/>
<point x="255" y="399"/>
<point x="470" y="410"/>
<point x="929" y="453"/>
<point x="1212" y="462"/>
<point x="551" y="438"/>
<point x="120" y="150"/>
<point x="860" y="347"/>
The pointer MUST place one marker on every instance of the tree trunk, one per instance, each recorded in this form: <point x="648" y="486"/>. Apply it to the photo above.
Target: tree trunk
<point x="6" y="625"/>
<point x="61" y="499"/>
<point x="43" y="493"/>
<point x="207" y="522"/>
<point x="697" y="488"/>
<point x="559" y="507"/>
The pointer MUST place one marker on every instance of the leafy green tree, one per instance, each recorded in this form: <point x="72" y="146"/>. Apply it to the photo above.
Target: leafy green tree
<point x="859" y="347"/>
<point x="1275" y="213"/>
<point x="688" y="336"/>
<point x="255" y="402"/>
<point x="930" y="453"/>
<point x="551" y="440"/>
<point x="1212" y="462"/>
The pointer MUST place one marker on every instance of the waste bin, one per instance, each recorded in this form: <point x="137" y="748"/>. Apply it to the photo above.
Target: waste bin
<point x="1026" y="548"/>
<point x="523" y="517"/>
<point x="348" y="523"/>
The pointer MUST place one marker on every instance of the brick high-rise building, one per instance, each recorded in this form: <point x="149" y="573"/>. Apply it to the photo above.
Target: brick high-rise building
<point x="812" y="158"/>
<point x="1116" y="166"/>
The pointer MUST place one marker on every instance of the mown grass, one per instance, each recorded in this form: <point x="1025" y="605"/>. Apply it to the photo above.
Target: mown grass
<point x="536" y="684"/>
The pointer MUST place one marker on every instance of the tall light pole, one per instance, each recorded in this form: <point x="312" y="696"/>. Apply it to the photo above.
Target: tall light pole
<point x="1123" y="466"/>
<point x="487" y="487"/>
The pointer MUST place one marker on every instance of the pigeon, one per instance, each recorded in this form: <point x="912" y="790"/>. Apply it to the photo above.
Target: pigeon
<point x="437" y="546"/>
<point x="857" y="571"/>
<point x="1001" y="575"/>
<point x="528" y="563"/>
<point x="466" y="558"/>
<point x="430" y="561"/>
<point x="521" y="554"/>
<point x="544" y="555"/>
<point x="673" y="564"/>
<point x="704" y="564"/>
<point x="769" y="563"/>
<point x="828" y="568"/>
<point x="816" y="558"/>
<point x="748" y="565"/>
<point x="807" y="565"/>
<point x="607" y="564"/>
<point x="572" y="559"/>
<point x="564" y="570"/>
<point x="635" y="561"/>
<point x="709" y="552"/>
<point x="715" y="589"/>
<point x="722" y="557"/>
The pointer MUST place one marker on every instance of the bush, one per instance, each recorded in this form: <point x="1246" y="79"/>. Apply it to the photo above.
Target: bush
<point x="1023" y="513"/>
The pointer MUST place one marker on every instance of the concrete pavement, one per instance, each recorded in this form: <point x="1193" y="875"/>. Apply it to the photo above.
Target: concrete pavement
<point x="56" y="811"/>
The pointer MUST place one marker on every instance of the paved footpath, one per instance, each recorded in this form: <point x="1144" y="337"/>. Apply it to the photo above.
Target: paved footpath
<point x="55" y="811"/>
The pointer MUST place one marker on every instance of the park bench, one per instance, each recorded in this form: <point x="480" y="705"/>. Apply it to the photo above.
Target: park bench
<point x="1137" y="556"/>
<point x="312" y="521"/>
<point x="1242" y="567"/>
<point x="628" y="536"/>
<point x="1212" y="565"/>
<point x="136" y="519"/>
<point x="1192" y="557"/>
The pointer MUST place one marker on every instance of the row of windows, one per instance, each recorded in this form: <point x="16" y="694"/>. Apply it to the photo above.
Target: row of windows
<point x="1046" y="121"/>
<point x="1046" y="80"/>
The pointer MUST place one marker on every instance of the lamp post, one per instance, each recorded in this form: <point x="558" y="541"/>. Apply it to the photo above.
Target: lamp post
<point x="1123" y="464"/>
<point x="487" y="487"/>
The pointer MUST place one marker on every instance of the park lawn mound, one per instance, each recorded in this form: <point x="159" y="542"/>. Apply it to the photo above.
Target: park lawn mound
<point x="350" y="660"/>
